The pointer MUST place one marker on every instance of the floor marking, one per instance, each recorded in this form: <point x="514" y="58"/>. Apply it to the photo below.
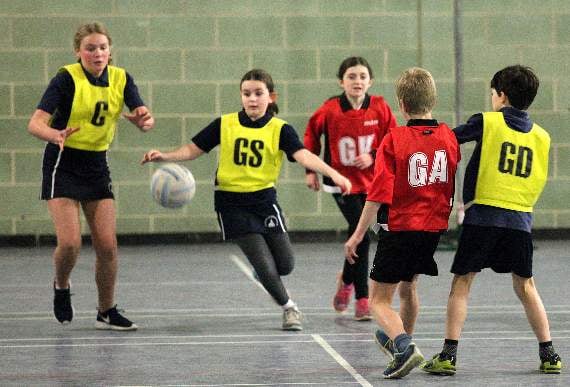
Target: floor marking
<point x="253" y="384"/>
<point x="219" y="313"/>
<point x="314" y="337"/>
<point x="340" y="360"/>
<point x="247" y="271"/>
<point x="468" y="335"/>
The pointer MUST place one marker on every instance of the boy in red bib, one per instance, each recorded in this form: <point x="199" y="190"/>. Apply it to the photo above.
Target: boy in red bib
<point x="413" y="187"/>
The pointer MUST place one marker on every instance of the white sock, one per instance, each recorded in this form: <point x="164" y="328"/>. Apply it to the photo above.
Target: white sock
<point x="58" y="288"/>
<point x="290" y="304"/>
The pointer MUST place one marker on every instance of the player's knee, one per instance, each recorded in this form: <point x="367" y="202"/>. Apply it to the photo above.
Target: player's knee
<point x="106" y="253"/>
<point x="523" y="287"/>
<point x="285" y="269"/>
<point x="69" y="249"/>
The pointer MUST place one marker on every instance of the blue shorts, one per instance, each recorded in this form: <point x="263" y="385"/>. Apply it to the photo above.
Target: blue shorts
<point x="75" y="174"/>
<point x="401" y="255"/>
<point x="504" y="250"/>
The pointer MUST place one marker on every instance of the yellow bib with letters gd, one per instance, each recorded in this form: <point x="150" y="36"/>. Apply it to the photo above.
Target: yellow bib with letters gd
<point x="514" y="165"/>
<point x="250" y="158"/>
<point x="95" y="109"/>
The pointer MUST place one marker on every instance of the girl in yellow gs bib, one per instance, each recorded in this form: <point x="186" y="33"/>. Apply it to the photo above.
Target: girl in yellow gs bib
<point x="252" y="145"/>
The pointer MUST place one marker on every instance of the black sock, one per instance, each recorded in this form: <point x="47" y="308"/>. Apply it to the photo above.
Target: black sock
<point x="545" y="350"/>
<point x="449" y="350"/>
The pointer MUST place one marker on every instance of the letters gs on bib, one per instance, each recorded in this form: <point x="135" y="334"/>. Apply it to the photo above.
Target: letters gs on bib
<point x="515" y="160"/>
<point x="253" y="158"/>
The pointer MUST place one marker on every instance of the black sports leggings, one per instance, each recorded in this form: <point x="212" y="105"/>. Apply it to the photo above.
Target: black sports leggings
<point x="351" y="207"/>
<point x="271" y="256"/>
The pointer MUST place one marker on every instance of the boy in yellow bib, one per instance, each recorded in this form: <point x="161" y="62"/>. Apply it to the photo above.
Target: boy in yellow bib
<point x="503" y="180"/>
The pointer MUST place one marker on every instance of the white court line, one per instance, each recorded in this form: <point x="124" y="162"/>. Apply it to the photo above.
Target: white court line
<point x="146" y="344"/>
<point x="340" y="360"/>
<point x="86" y="285"/>
<point x="427" y="309"/>
<point x="247" y="271"/>
<point x="27" y="316"/>
<point x="250" y="384"/>
<point x="314" y="337"/>
<point x="173" y="311"/>
<point x="268" y="336"/>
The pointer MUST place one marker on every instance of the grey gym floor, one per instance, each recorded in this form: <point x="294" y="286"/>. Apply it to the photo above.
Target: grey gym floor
<point x="204" y="322"/>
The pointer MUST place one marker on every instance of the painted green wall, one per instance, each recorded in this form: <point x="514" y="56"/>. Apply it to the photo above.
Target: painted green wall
<point x="188" y="56"/>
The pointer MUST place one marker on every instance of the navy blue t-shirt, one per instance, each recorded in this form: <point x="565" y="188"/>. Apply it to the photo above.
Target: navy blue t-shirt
<point x="209" y="137"/>
<point x="479" y="214"/>
<point x="58" y="97"/>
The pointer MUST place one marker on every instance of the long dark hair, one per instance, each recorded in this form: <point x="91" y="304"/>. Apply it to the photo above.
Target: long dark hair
<point x="262" y="76"/>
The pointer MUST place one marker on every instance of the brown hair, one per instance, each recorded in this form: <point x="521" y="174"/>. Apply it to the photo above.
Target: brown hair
<point x="416" y="89"/>
<point x="88" y="29"/>
<point x="262" y="76"/>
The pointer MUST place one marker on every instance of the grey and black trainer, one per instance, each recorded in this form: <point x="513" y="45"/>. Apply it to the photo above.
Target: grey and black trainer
<point x="62" y="308"/>
<point x="113" y="320"/>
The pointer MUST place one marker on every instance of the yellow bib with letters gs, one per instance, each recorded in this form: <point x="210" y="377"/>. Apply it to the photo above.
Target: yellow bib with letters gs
<point x="95" y="109"/>
<point x="514" y="165"/>
<point x="250" y="158"/>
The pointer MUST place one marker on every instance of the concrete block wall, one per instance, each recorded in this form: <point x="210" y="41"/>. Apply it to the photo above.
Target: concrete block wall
<point x="187" y="57"/>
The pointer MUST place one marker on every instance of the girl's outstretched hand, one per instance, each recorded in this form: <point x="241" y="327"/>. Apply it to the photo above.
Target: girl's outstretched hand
<point x="141" y="117"/>
<point x="62" y="135"/>
<point x="151" y="156"/>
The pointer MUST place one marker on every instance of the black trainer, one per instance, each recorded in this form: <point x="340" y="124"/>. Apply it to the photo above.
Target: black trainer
<point x="62" y="308"/>
<point x="113" y="320"/>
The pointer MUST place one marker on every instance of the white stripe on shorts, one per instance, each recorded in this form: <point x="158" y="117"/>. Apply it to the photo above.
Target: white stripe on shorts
<point x="279" y="217"/>
<point x="53" y="173"/>
<point x="221" y="225"/>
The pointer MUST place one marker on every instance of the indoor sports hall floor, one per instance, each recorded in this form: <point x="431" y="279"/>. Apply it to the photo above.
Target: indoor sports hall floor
<point x="203" y="322"/>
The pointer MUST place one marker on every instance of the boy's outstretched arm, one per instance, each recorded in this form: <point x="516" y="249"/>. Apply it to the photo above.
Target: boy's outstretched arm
<point x="311" y="161"/>
<point x="367" y="217"/>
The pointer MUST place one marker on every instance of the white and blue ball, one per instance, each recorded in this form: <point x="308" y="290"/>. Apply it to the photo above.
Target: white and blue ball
<point x="172" y="185"/>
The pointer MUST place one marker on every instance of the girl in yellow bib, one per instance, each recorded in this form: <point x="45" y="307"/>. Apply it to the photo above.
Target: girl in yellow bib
<point x="252" y="145"/>
<point x="77" y="116"/>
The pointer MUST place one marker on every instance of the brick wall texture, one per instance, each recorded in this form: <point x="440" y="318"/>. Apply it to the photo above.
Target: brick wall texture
<point x="187" y="57"/>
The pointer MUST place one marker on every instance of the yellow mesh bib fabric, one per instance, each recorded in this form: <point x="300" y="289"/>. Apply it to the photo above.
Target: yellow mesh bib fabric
<point x="250" y="158"/>
<point x="514" y="166"/>
<point x="95" y="109"/>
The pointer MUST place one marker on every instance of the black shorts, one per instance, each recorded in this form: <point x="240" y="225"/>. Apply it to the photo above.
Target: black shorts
<point x="504" y="250"/>
<point x="263" y="218"/>
<point x="403" y="254"/>
<point x="75" y="174"/>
